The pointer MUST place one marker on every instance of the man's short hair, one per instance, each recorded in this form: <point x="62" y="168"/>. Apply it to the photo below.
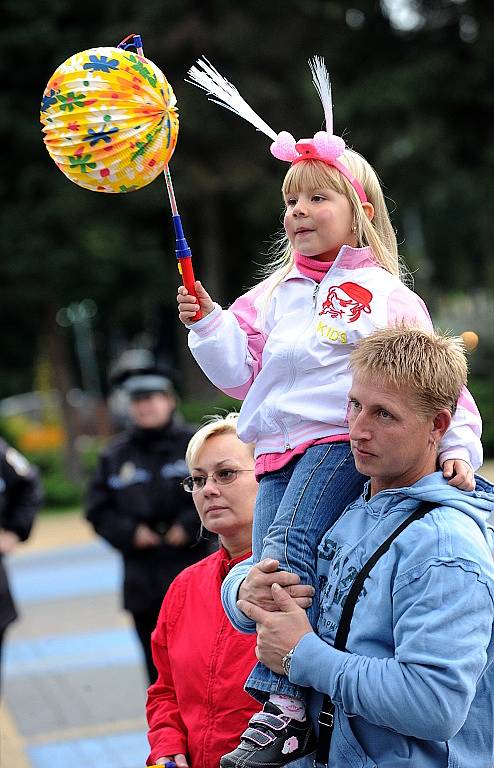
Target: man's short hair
<point x="432" y="366"/>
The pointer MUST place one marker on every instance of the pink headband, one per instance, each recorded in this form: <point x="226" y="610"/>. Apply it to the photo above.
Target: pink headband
<point x="325" y="146"/>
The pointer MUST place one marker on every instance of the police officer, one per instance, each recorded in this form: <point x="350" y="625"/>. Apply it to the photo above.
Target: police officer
<point x="135" y="500"/>
<point x="20" y="501"/>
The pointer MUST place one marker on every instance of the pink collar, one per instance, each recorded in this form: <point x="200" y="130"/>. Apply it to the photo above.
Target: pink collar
<point x="312" y="267"/>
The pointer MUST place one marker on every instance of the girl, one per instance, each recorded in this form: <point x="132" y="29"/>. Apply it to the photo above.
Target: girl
<point x="283" y="348"/>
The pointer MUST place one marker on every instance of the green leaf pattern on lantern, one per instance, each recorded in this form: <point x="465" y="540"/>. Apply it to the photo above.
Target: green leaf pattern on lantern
<point x="83" y="162"/>
<point x="141" y="69"/>
<point x="71" y="100"/>
<point x="143" y="146"/>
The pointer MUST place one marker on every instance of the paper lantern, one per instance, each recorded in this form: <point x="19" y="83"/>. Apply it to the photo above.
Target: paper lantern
<point x="109" y="119"/>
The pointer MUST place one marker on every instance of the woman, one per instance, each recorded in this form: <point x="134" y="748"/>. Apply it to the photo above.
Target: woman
<point x="197" y="709"/>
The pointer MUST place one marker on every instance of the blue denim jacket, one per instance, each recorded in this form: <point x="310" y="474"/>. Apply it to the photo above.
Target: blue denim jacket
<point x="416" y="685"/>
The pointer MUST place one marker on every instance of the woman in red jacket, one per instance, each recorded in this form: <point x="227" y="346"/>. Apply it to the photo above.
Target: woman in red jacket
<point x="197" y="708"/>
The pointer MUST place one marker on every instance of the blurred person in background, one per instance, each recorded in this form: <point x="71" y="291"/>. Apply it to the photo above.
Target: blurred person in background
<point x="135" y="500"/>
<point x="197" y="709"/>
<point x="20" y="501"/>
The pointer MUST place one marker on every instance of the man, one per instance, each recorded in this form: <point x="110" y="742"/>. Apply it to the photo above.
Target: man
<point x="415" y="684"/>
<point x="135" y="500"/>
<point x="20" y="501"/>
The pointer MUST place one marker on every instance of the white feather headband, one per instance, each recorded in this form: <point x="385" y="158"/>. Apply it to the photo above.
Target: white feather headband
<point x="324" y="146"/>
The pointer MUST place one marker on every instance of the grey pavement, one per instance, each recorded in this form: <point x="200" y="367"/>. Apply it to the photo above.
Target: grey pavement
<point x="74" y="686"/>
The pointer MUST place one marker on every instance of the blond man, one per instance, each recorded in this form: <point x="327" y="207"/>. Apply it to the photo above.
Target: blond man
<point x="414" y="685"/>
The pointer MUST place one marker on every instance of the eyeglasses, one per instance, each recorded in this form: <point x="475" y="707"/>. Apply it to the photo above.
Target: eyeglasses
<point x="195" y="483"/>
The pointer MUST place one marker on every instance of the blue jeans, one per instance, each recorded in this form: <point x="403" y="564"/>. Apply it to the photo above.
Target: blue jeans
<point x="295" y="507"/>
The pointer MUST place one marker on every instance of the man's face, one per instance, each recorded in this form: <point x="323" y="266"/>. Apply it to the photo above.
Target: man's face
<point x="391" y="442"/>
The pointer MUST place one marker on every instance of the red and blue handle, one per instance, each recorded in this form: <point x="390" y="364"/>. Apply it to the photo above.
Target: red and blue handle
<point x="184" y="260"/>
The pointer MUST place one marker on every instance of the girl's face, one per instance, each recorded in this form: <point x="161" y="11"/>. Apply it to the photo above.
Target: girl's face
<point x="318" y="222"/>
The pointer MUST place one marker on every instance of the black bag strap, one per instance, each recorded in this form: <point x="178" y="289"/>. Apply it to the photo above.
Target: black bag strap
<point x="326" y="715"/>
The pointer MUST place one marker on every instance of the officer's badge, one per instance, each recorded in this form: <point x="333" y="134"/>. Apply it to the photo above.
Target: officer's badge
<point x="18" y="462"/>
<point x="127" y="472"/>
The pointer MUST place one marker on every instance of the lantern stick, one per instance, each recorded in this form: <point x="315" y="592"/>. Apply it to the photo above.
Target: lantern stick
<point x="182" y="250"/>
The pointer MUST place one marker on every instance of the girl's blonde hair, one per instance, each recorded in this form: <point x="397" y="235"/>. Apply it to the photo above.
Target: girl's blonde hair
<point x="216" y="425"/>
<point x="378" y="233"/>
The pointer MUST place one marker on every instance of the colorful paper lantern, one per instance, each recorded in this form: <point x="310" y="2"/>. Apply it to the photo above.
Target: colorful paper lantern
<point x="109" y="119"/>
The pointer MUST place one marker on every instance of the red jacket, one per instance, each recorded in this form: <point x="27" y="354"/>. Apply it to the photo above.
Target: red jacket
<point x="198" y="706"/>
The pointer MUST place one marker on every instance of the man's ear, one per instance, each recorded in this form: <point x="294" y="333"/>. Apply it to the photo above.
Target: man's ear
<point x="440" y="424"/>
<point x="368" y="210"/>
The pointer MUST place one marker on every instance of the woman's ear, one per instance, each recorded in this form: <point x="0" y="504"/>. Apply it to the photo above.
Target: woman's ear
<point x="368" y="210"/>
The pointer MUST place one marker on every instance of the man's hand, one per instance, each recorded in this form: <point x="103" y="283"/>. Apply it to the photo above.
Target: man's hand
<point x="461" y="474"/>
<point x="145" y="537"/>
<point x="256" y="587"/>
<point x="176" y="536"/>
<point x="188" y="305"/>
<point x="8" y="541"/>
<point x="277" y="633"/>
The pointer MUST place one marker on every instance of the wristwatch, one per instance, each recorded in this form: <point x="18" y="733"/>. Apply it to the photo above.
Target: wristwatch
<point x="287" y="661"/>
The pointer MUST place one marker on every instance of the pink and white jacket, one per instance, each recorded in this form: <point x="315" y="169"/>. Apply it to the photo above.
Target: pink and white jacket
<point x="286" y="354"/>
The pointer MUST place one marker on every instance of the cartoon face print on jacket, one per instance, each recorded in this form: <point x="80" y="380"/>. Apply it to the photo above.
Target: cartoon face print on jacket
<point x="347" y="301"/>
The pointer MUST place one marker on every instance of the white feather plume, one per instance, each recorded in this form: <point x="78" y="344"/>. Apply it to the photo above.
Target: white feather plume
<point x="205" y="76"/>
<point x="322" y="84"/>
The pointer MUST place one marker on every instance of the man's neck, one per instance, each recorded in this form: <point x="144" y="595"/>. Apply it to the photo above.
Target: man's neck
<point x="406" y="480"/>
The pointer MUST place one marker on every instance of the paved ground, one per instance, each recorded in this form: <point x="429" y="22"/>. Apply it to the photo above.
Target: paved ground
<point x="74" y="688"/>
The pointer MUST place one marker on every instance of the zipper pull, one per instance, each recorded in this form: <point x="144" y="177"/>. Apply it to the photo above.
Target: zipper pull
<point x="314" y="296"/>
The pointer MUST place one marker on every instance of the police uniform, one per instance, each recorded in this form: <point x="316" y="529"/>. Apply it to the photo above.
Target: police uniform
<point x="20" y="501"/>
<point x="138" y="482"/>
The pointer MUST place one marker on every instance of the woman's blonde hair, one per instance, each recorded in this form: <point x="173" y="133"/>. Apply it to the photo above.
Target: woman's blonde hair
<point x="378" y="233"/>
<point x="216" y="425"/>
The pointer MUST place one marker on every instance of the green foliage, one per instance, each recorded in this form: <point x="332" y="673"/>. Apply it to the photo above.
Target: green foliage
<point x="59" y="490"/>
<point x="194" y="411"/>
<point x="417" y="103"/>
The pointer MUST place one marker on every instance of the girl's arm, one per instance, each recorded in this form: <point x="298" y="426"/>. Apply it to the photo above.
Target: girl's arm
<point x="228" y="344"/>
<point x="462" y="439"/>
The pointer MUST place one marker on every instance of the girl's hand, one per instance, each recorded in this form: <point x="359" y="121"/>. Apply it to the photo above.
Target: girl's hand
<point x="461" y="474"/>
<point x="188" y="305"/>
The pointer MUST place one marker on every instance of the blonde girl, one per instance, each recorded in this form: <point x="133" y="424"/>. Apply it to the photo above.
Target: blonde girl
<point x="283" y="348"/>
